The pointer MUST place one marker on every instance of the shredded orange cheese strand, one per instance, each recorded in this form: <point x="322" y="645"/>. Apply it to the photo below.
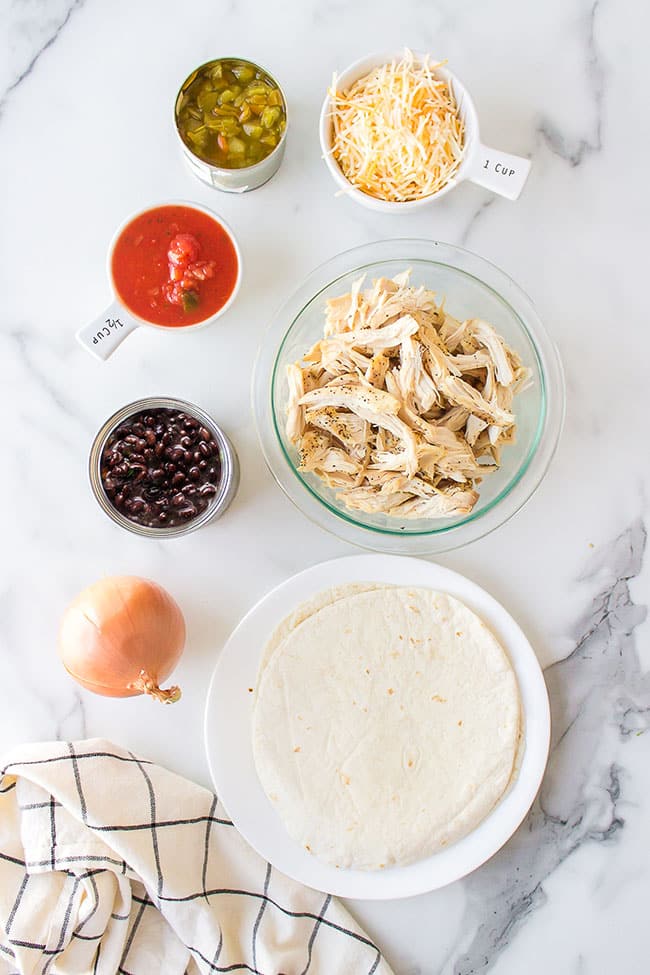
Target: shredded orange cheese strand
<point x="397" y="132"/>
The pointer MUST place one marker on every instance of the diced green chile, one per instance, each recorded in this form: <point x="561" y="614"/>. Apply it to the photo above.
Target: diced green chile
<point x="231" y="114"/>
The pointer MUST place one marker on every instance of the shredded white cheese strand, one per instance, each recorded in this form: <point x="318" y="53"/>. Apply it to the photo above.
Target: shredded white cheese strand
<point x="397" y="132"/>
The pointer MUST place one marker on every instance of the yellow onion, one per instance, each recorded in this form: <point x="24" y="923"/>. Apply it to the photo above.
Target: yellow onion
<point x="123" y="636"/>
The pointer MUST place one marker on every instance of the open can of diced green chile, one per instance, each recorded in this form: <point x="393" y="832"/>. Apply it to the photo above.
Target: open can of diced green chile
<point x="230" y="117"/>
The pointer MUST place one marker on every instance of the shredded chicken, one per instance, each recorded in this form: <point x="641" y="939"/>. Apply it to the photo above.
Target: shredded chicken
<point x="295" y="413"/>
<point x="401" y="408"/>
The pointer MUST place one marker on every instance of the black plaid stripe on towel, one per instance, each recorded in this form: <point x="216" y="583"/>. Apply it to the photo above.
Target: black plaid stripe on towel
<point x="110" y="864"/>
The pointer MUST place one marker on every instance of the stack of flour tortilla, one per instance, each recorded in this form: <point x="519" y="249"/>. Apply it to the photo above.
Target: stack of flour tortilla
<point x="386" y="724"/>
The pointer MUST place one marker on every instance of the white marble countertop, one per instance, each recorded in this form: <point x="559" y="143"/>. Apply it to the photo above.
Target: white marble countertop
<point x="86" y="90"/>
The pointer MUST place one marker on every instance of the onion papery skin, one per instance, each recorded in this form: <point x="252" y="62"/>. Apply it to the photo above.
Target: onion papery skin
<point x="123" y="636"/>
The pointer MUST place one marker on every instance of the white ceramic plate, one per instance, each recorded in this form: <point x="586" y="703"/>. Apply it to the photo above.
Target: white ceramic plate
<point x="230" y="754"/>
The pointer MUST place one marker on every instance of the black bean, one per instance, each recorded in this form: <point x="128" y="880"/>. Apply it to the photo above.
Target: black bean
<point x="160" y="467"/>
<point x="175" y="453"/>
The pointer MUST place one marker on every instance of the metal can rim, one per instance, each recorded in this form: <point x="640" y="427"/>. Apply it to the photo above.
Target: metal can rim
<point x="229" y="467"/>
<point x="220" y="170"/>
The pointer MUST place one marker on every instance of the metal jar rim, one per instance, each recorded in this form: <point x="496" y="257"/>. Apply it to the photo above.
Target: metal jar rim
<point x="229" y="467"/>
<point x="244" y="169"/>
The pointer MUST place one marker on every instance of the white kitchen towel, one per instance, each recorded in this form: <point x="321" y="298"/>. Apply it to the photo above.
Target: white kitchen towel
<point x="111" y="864"/>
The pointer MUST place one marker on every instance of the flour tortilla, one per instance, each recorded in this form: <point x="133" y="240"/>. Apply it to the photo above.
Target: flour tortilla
<point x="307" y="609"/>
<point x="386" y="726"/>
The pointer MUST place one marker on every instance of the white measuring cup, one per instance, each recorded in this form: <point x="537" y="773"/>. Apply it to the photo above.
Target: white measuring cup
<point x="500" y="172"/>
<point x="104" y="334"/>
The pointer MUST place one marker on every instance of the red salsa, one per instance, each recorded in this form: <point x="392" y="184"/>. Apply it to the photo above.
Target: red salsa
<point x="174" y="266"/>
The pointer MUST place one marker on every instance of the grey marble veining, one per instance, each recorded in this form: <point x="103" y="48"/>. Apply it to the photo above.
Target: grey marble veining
<point x="574" y="150"/>
<point x="560" y="82"/>
<point x="29" y="33"/>
<point x="477" y="216"/>
<point x="599" y="697"/>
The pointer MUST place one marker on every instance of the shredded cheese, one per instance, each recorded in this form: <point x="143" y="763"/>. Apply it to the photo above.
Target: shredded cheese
<point x="397" y="132"/>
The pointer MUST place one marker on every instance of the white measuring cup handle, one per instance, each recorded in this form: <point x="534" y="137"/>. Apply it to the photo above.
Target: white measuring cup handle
<point x="102" y="336"/>
<point x="500" y="172"/>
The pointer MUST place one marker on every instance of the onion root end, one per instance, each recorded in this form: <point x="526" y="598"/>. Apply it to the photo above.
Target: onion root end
<point x="147" y="685"/>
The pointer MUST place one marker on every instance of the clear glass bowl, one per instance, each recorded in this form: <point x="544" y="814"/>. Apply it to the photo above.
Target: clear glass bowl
<point x="472" y="288"/>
